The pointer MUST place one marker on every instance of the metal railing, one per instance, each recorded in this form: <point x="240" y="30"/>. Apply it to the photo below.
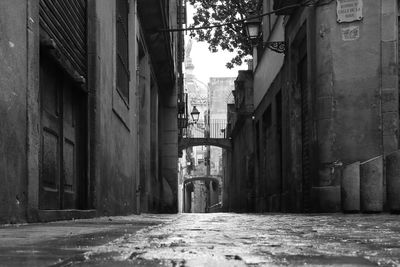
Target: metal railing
<point x="216" y="128"/>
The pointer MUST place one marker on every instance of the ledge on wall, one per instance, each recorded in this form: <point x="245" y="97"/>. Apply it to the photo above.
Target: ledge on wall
<point x="278" y="4"/>
<point x="153" y="17"/>
<point x="60" y="215"/>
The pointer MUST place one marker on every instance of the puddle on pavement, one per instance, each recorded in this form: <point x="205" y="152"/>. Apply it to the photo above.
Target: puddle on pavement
<point x="327" y="260"/>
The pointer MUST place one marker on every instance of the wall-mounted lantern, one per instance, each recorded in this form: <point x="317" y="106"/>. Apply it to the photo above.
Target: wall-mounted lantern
<point x="253" y="30"/>
<point x="252" y="26"/>
<point x="195" y="114"/>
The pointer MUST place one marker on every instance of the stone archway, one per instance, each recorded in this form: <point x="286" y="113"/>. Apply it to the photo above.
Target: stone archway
<point x="200" y="197"/>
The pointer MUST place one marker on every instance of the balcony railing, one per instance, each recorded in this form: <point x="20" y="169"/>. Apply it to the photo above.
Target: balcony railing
<point x="216" y="128"/>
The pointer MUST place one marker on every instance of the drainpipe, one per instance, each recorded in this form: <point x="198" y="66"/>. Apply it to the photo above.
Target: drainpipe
<point x="208" y="152"/>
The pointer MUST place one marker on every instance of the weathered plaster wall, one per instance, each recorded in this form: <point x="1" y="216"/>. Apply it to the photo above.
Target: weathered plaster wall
<point x="353" y="102"/>
<point x="169" y="129"/>
<point x="278" y="181"/>
<point x="269" y="65"/>
<point x="350" y="98"/>
<point x="227" y="159"/>
<point x="389" y="78"/>
<point x="153" y="184"/>
<point x="169" y="152"/>
<point x="144" y="131"/>
<point x="242" y="179"/>
<point x="117" y="142"/>
<point x="356" y="96"/>
<point x="13" y="83"/>
<point x="33" y="109"/>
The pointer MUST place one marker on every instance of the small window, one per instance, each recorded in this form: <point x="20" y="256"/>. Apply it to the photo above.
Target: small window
<point x="123" y="75"/>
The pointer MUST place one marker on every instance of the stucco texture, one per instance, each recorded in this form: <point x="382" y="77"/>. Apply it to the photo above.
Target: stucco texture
<point x="117" y="145"/>
<point x="13" y="67"/>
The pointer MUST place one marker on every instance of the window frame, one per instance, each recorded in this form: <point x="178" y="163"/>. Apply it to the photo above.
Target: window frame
<point x="122" y="42"/>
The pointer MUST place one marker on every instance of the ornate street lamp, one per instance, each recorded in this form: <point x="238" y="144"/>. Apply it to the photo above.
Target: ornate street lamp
<point x="253" y="25"/>
<point x="195" y="114"/>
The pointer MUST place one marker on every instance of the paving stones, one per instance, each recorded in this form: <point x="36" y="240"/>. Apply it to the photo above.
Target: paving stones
<point x="219" y="239"/>
<point x="224" y="239"/>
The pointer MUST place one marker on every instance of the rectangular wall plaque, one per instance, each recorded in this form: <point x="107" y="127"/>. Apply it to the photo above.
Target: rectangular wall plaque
<point x="350" y="33"/>
<point x="349" y="10"/>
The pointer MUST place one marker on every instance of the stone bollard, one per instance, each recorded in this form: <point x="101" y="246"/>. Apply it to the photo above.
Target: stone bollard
<point x="371" y="185"/>
<point x="393" y="181"/>
<point x="350" y="187"/>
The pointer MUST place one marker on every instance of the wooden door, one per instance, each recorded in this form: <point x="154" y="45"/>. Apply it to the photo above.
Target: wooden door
<point x="50" y="171"/>
<point x="69" y="148"/>
<point x="63" y="140"/>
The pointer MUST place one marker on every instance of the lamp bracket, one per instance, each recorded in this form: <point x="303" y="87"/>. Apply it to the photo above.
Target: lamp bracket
<point x="279" y="47"/>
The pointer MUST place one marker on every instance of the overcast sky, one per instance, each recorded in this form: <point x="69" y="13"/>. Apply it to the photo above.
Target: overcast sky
<point x="207" y="64"/>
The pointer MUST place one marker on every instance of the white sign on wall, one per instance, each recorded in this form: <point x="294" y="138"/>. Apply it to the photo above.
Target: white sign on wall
<point x="350" y="33"/>
<point x="349" y="10"/>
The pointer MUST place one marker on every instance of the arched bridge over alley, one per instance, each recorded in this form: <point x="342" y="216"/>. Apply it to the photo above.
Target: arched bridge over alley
<point x="212" y="133"/>
<point x="198" y="141"/>
<point x="215" y="179"/>
<point x="207" y="190"/>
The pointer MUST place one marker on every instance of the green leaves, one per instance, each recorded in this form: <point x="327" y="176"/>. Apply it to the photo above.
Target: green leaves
<point x="231" y="37"/>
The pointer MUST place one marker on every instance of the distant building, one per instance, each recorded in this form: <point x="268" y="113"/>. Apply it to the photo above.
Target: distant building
<point x="219" y="95"/>
<point x="240" y="189"/>
<point x="211" y="101"/>
<point x="197" y="97"/>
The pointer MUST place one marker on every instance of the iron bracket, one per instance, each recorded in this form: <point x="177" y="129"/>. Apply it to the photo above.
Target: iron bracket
<point x="278" y="47"/>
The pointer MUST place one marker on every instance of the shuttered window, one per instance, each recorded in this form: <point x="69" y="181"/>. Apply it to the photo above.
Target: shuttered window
<point x="65" y="23"/>
<point x="122" y="10"/>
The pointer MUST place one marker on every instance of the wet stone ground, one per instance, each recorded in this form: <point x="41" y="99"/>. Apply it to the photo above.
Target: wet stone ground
<point x="227" y="239"/>
<point x="259" y="240"/>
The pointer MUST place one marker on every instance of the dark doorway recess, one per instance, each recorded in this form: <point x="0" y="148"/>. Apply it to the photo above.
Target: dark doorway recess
<point x="302" y="74"/>
<point x="63" y="145"/>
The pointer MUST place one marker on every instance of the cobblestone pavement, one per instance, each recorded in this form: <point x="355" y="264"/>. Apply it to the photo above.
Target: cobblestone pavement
<point x="224" y="239"/>
<point x="219" y="239"/>
<point x="64" y="243"/>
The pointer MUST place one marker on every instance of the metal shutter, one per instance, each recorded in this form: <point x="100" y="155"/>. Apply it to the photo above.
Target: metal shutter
<point x="64" y="21"/>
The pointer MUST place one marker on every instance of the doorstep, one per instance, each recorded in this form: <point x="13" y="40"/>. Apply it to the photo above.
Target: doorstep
<point x="60" y="215"/>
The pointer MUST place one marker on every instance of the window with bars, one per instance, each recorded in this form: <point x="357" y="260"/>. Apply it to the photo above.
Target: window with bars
<point x="123" y="74"/>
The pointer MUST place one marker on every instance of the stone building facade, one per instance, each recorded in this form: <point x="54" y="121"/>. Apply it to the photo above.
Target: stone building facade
<point x="239" y="193"/>
<point x="326" y="110"/>
<point x="219" y="95"/>
<point x="88" y="108"/>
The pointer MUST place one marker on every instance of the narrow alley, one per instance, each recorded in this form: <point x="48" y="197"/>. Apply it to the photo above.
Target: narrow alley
<point x="217" y="239"/>
<point x="199" y="132"/>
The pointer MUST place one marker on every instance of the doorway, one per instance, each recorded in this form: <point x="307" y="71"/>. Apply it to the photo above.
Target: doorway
<point x="63" y="146"/>
<point x="302" y="74"/>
